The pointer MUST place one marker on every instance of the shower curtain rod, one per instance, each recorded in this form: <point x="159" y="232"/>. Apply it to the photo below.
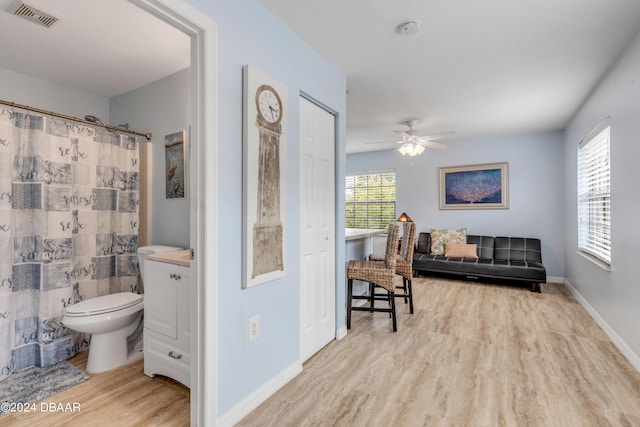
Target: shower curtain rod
<point x="75" y="119"/>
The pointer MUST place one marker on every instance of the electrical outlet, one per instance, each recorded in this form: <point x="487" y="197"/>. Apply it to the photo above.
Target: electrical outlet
<point x="254" y="328"/>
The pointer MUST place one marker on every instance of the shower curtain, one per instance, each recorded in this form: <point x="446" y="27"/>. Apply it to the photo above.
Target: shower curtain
<point x="68" y="230"/>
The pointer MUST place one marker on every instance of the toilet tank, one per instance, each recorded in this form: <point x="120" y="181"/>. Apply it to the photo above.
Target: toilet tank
<point x="144" y="251"/>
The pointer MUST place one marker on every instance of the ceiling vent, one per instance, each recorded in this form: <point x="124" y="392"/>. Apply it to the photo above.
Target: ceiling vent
<point x="32" y="14"/>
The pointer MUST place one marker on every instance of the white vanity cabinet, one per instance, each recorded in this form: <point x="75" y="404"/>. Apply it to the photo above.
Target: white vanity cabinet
<point x="167" y="338"/>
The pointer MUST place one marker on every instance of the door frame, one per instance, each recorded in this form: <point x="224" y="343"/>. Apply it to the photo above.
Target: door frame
<point x="203" y="201"/>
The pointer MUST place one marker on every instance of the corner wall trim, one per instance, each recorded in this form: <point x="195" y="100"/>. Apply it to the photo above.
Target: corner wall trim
<point x="341" y="332"/>
<point x="615" y="338"/>
<point x="251" y="402"/>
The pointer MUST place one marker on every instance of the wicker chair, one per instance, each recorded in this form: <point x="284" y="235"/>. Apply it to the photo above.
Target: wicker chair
<point x="404" y="263"/>
<point x="380" y="273"/>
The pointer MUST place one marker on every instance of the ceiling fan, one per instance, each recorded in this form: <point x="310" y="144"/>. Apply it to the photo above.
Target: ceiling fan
<point x="413" y="143"/>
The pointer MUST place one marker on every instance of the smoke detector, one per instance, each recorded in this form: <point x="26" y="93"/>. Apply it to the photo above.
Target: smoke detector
<point x="409" y="27"/>
<point x="23" y="10"/>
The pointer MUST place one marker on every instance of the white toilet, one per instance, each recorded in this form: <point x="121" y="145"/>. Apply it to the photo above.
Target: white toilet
<point x="110" y="319"/>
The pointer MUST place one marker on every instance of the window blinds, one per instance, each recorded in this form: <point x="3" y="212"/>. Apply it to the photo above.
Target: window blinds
<point x="370" y="200"/>
<point x="594" y="193"/>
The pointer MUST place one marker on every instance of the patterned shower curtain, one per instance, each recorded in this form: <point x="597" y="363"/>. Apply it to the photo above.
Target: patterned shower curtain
<point x="68" y="230"/>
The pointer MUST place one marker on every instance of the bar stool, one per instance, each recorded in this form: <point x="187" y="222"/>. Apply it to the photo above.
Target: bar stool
<point x="379" y="273"/>
<point x="404" y="263"/>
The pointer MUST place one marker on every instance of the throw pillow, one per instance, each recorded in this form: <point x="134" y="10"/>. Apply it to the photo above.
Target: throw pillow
<point x="460" y="250"/>
<point x="440" y="237"/>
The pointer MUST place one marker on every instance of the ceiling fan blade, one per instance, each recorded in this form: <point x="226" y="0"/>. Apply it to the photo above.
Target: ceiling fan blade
<point x="380" y="142"/>
<point x="437" y="135"/>
<point x="434" y="145"/>
<point x="412" y="137"/>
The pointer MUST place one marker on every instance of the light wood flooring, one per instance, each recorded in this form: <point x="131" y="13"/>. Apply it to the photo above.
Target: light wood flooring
<point x="122" y="397"/>
<point x="473" y="354"/>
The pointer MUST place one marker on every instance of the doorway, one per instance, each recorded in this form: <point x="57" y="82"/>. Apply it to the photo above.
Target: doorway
<point x="203" y="203"/>
<point x="317" y="228"/>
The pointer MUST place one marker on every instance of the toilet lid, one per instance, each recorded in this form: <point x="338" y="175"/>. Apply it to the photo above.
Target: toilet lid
<point x="104" y="304"/>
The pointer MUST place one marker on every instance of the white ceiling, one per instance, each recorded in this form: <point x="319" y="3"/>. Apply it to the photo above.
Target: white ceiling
<point x="479" y="68"/>
<point x="101" y="47"/>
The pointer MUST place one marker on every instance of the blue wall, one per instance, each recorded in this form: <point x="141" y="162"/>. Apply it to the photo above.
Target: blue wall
<point x="536" y="199"/>
<point x="162" y="108"/>
<point x="249" y="34"/>
<point x="613" y="295"/>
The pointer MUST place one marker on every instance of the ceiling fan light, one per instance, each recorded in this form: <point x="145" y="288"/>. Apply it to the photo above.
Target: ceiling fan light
<point x="409" y="149"/>
<point x="406" y="149"/>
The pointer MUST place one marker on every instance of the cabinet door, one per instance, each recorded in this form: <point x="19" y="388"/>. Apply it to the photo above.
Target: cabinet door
<point x="184" y="312"/>
<point x="160" y="296"/>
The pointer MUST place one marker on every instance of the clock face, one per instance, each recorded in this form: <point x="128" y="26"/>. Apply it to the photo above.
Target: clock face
<point x="269" y="104"/>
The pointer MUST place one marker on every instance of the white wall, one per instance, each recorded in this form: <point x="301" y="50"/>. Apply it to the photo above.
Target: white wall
<point x="162" y="108"/>
<point x="249" y="34"/>
<point x="535" y="188"/>
<point x="613" y="295"/>
<point x="37" y="93"/>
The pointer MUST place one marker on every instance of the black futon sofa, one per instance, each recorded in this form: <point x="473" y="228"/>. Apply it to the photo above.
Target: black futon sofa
<point x="516" y="259"/>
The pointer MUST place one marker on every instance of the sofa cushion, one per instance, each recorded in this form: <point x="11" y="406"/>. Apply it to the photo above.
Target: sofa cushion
<point x="440" y="237"/>
<point x="460" y="250"/>
<point x="485" y="245"/>
<point x="424" y="243"/>
<point x="523" y="249"/>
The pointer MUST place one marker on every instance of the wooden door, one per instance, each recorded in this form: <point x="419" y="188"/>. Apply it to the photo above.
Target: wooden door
<point x="317" y="228"/>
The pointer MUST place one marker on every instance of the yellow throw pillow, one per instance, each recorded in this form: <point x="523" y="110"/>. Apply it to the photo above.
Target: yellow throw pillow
<point x="460" y="250"/>
<point x="440" y="237"/>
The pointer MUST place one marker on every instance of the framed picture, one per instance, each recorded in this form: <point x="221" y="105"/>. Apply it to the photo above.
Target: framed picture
<point x="174" y="160"/>
<point x="265" y="116"/>
<point x="475" y="187"/>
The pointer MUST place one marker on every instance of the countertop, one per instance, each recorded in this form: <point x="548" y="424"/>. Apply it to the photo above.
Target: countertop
<point x="360" y="233"/>
<point x="182" y="258"/>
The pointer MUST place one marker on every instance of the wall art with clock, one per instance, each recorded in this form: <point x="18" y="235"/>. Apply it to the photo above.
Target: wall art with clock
<point x="265" y="116"/>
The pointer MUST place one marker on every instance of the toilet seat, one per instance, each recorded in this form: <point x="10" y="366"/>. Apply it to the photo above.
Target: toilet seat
<point x="104" y="304"/>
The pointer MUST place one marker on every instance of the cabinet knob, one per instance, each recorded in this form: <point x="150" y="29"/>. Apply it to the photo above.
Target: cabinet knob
<point x="174" y="355"/>
<point x="175" y="276"/>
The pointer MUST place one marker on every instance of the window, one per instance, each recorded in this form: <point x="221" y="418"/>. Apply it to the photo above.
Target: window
<point x="594" y="194"/>
<point x="370" y="200"/>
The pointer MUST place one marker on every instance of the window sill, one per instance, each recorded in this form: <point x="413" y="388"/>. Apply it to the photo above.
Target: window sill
<point x="603" y="265"/>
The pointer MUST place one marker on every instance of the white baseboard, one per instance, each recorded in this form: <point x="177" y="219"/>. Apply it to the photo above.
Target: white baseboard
<point x="341" y="333"/>
<point x="615" y="338"/>
<point x="555" y="279"/>
<point x="251" y="402"/>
